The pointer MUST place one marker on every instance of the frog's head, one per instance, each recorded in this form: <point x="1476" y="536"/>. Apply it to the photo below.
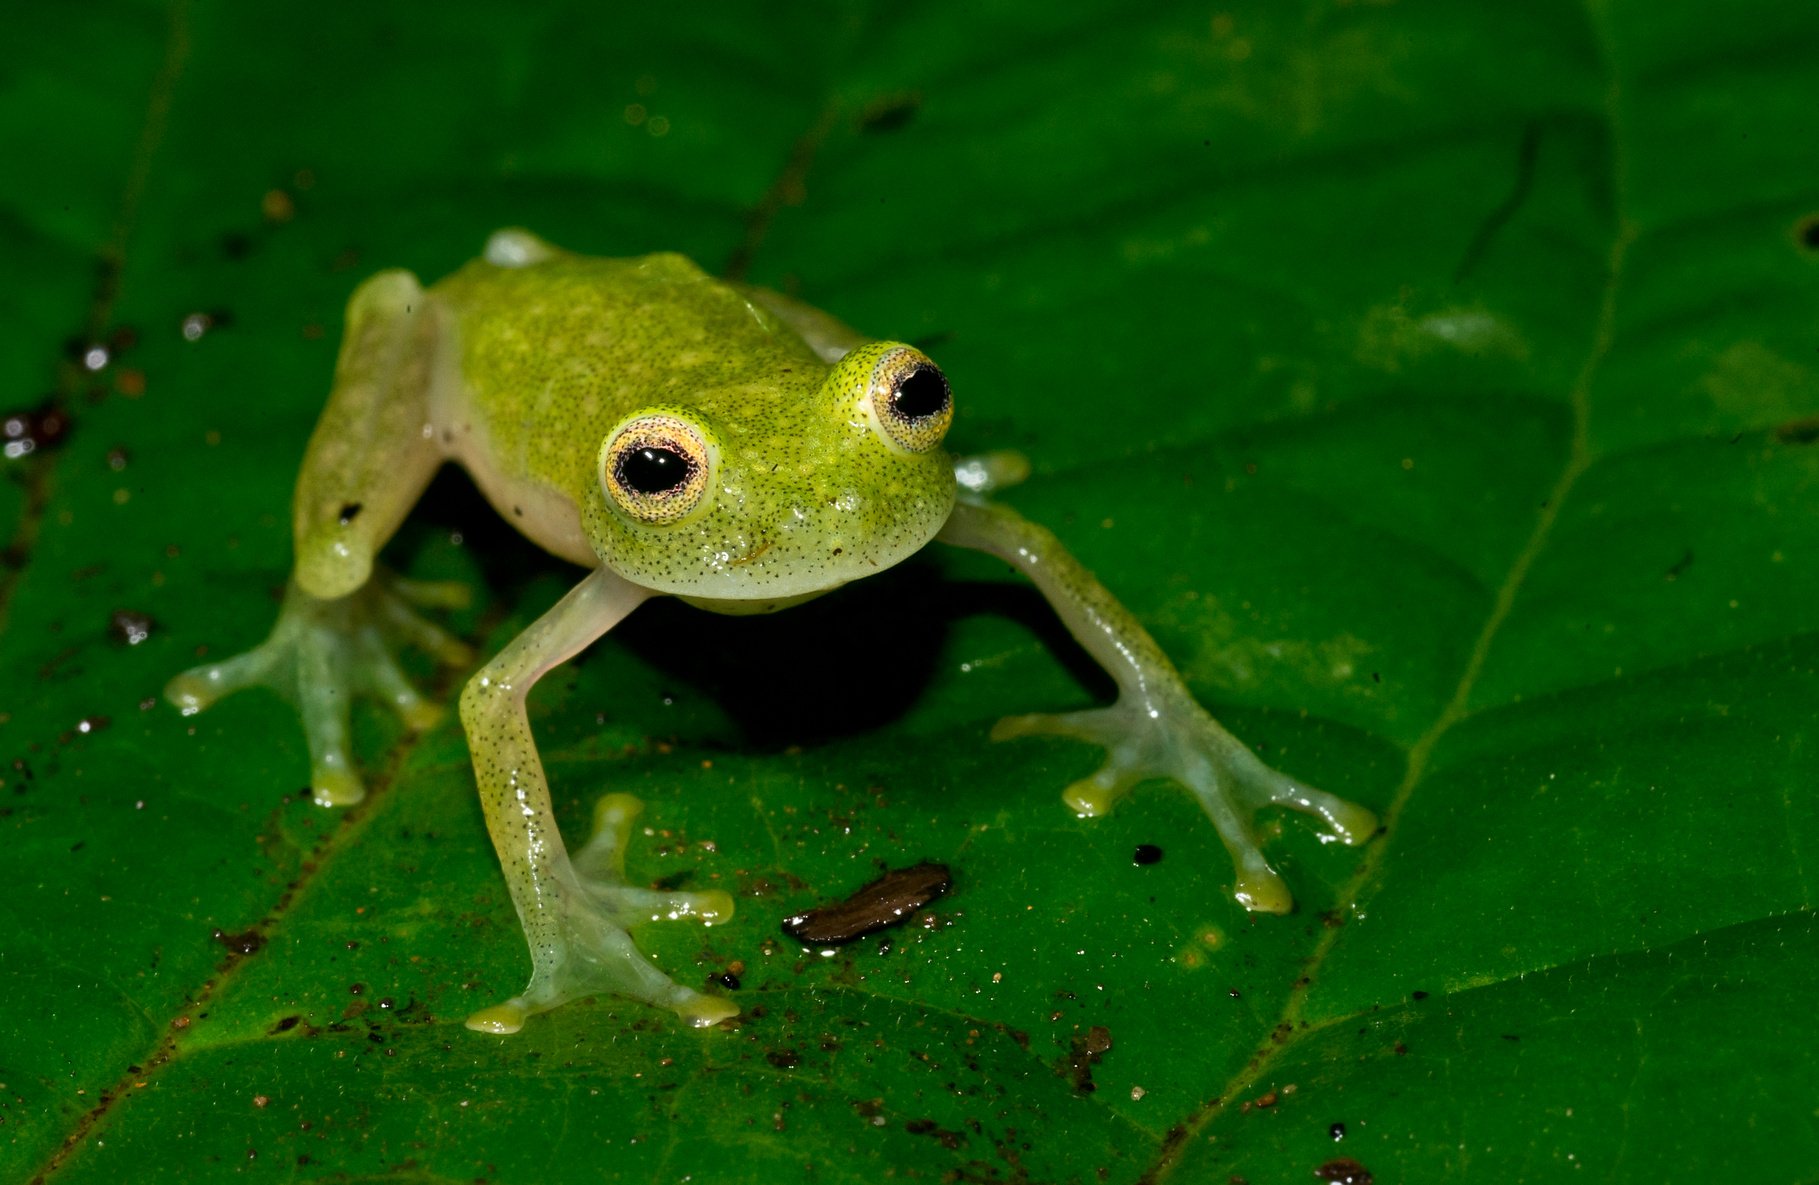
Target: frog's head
<point x="761" y="494"/>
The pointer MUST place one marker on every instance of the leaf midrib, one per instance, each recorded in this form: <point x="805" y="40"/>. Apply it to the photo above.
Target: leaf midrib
<point x="1578" y="460"/>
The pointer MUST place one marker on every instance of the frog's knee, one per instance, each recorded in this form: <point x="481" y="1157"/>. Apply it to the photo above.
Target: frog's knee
<point x="487" y="693"/>
<point x="389" y="295"/>
<point x="516" y="247"/>
<point x="330" y="564"/>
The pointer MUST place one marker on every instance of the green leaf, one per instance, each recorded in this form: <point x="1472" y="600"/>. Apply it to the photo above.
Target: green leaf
<point x="1437" y="382"/>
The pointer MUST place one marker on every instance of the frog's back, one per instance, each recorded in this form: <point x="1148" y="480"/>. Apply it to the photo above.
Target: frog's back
<point x="554" y="352"/>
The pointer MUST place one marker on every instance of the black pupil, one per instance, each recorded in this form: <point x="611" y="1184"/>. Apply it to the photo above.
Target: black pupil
<point x="923" y="392"/>
<point x="652" y="470"/>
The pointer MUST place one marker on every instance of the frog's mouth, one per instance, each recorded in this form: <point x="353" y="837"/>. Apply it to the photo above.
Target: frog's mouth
<point x="795" y="562"/>
<point x="758" y="547"/>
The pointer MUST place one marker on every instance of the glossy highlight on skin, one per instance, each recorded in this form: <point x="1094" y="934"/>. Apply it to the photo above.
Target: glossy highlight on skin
<point x="672" y="434"/>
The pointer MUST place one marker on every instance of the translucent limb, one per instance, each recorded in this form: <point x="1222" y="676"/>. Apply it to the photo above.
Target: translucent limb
<point x="574" y="912"/>
<point x="321" y="655"/>
<point x="1188" y="746"/>
<point x="601" y="959"/>
<point x="1155" y="729"/>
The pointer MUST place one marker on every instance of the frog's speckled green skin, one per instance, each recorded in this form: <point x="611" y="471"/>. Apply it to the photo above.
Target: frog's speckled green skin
<point x="809" y="495"/>
<point x="523" y="367"/>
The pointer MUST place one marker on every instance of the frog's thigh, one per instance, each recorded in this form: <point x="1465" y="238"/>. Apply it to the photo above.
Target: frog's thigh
<point x="373" y="450"/>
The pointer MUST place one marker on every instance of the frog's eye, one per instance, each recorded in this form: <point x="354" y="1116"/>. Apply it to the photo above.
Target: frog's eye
<point x="910" y="400"/>
<point x="656" y="468"/>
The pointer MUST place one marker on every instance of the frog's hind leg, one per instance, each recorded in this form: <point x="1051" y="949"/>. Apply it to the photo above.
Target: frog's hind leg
<point x="576" y="912"/>
<point x="368" y="461"/>
<point x="375" y="447"/>
<point x="1155" y="729"/>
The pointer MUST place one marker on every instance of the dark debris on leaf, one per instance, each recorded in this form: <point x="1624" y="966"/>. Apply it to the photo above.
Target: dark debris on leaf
<point x="1344" y="1171"/>
<point x="890" y="113"/>
<point x="1801" y="431"/>
<point x="888" y="901"/>
<point x="1084" y="1051"/>
<point x="1807" y="232"/>
<point x="247" y="942"/>
<point x="33" y="430"/>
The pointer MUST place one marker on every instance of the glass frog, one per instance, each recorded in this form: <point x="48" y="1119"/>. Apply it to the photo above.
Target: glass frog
<point x="673" y="434"/>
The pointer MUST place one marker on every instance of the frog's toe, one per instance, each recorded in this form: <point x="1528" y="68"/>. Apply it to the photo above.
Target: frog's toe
<point x="709" y="907"/>
<point x="704" y="1011"/>
<point x="1261" y="890"/>
<point x="600" y="866"/>
<point x="1227" y="770"/>
<point x="401" y="621"/>
<point x="502" y="1019"/>
<point x="323" y="700"/>
<point x="325" y="653"/>
<point x="602" y="859"/>
<point x="335" y="784"/>
<point x="1092" y="725"/>
<point x="1181" y="742"/>
<point x="199" y="687"/>
<point x="1346" y="822"/>
<point x="392" y="687"/>
<point x="697" y="1009"/>
<point x="434" y="594"/>
<point x="593" y="955"/>
<point x="1096" y="794"/>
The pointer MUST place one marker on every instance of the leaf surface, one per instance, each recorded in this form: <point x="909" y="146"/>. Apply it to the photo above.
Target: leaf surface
<point x="1436" y="382"/>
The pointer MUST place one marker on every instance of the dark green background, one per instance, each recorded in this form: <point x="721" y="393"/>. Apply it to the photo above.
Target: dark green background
<point x="1437" y="382"/>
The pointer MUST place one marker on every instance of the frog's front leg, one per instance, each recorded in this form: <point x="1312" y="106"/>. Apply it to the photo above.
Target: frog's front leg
<point x="341" y="624"/>
<point x="574" y="913"/>
<point x="1155" y="728"/>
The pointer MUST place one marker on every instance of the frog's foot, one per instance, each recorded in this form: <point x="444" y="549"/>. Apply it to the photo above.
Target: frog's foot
<point x="591" y="953"/>
<point x="1185" y="744"/>
<point x="323" y="653"/>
